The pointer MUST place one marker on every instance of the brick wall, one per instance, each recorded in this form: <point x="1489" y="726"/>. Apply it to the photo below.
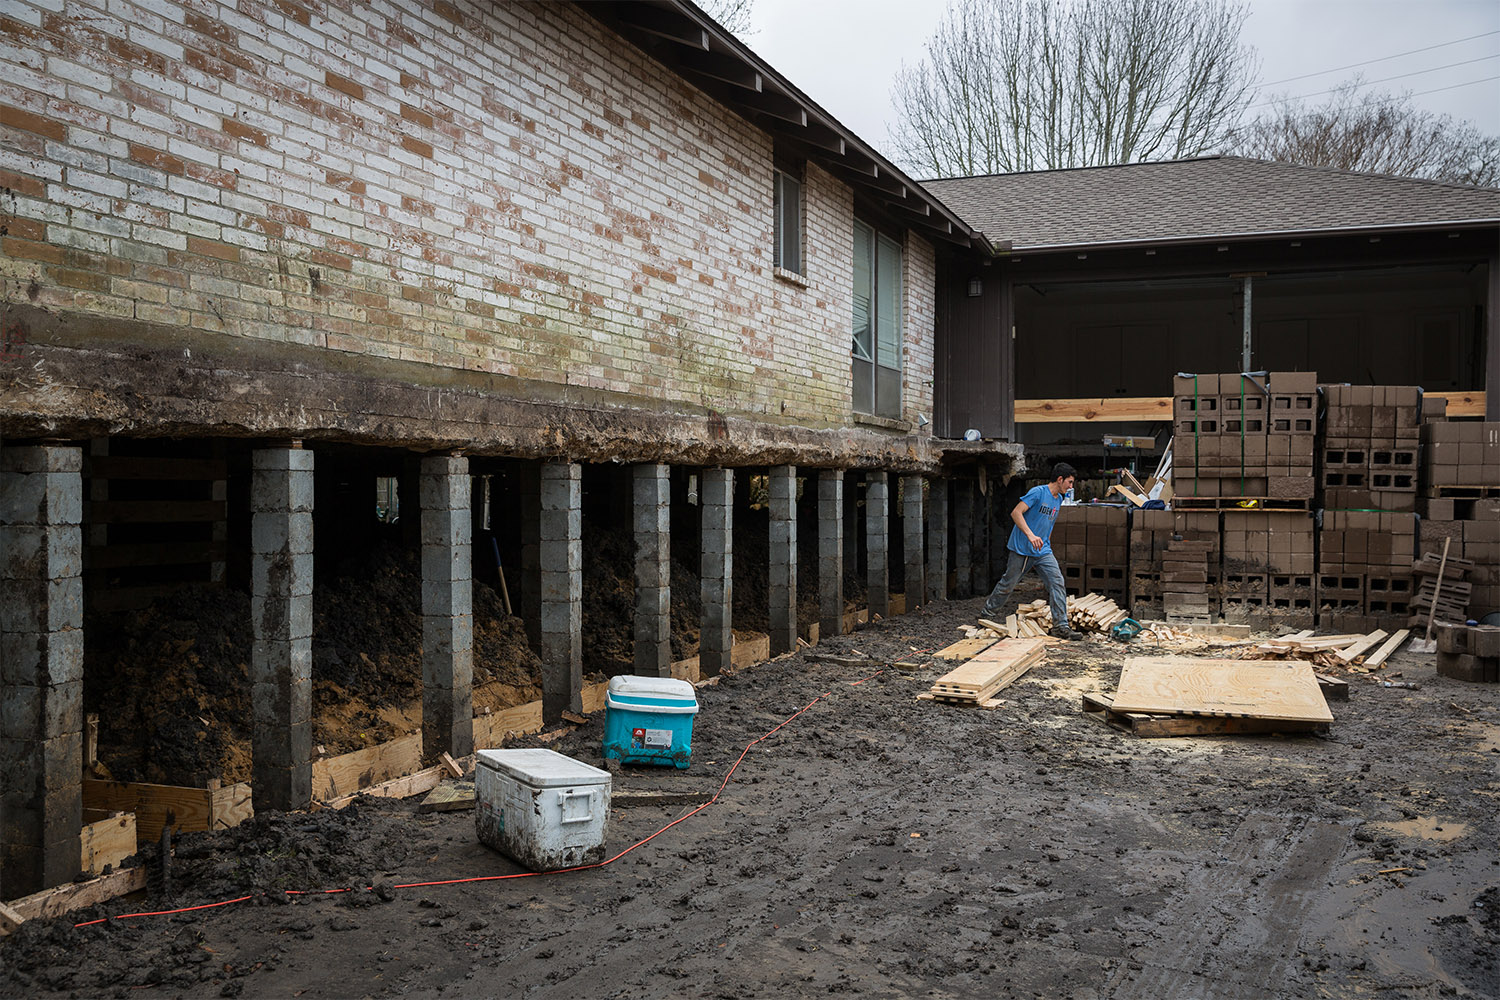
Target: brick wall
<point x="504" y="188"/>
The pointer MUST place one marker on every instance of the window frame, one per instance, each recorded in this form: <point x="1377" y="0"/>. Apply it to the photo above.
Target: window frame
<point x="866" y="367"/>
<point x="785" y="174"/>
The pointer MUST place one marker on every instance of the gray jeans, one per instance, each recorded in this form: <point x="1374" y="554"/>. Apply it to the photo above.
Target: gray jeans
<point x="1046" y="567"/>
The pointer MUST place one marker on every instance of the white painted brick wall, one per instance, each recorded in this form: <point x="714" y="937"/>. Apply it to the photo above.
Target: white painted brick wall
<point x="521" y="192"/>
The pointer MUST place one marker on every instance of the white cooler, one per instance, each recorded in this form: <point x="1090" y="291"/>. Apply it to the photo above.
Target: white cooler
<point x="544" y="809"/>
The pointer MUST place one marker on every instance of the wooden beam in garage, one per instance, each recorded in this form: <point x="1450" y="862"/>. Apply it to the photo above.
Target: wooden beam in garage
<point x="1153" y="408"/>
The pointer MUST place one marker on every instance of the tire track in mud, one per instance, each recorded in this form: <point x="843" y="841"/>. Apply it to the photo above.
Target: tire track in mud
<point x="1233" y="932"/>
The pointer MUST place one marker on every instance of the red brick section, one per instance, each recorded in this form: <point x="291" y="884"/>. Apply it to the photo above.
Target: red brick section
<point x="25" y="120"/>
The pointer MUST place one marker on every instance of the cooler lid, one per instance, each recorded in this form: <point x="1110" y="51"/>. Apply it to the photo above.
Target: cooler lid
<point x="672" y="688"/>
<point x="542" y="768"/>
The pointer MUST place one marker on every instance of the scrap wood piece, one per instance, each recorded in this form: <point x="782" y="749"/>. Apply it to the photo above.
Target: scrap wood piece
<point x="977" y="680"/>
<point x="451" y="765"/>
<point x="1383" y="653"/>
<point x="1334" y="688"/>
<point x="1349" y="652"/>
<point x="10" y="920"/>
<point x="449" y="796"/>
<point x="1152" y="726"/>
<point x="1179" y="685"/>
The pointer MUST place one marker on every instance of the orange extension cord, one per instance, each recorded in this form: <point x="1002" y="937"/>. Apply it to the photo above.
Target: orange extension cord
<point x="495" y="878"/>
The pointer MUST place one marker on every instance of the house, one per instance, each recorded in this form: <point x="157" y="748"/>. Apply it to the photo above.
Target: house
<point x="259" y="257"/>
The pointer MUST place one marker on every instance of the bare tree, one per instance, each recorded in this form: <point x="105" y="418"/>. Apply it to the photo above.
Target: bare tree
<point x="732" y="15"/>
<point x="1376" y="132"/>
<point x="1011" y="85"/>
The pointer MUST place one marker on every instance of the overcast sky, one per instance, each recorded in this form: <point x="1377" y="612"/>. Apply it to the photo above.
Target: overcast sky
<point x="844" y="54"/>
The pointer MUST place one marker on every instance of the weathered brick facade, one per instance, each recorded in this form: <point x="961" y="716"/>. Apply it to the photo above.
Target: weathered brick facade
<point x="510" y="189"/>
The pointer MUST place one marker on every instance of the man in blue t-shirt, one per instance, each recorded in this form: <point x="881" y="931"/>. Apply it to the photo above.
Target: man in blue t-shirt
<point x="1031" y="547"/>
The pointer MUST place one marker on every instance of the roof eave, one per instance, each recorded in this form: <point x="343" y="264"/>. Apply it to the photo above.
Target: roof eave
<point x="1259" y="235"/>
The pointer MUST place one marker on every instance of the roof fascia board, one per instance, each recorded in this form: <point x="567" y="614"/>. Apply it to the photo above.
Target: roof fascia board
<point x="1269" y="234"/>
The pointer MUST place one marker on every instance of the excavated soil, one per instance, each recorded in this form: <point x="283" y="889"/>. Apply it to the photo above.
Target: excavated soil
<point x="880" y="846"/>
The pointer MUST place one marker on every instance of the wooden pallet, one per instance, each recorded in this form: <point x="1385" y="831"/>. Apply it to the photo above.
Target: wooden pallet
<point x="1180" y="502"/>
<point x="1463" y="492"/>
<point x="977" y="681"/>
<point x="1148" y="726"/>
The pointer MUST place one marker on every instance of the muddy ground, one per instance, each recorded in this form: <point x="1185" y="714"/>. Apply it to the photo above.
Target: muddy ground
<point x="880" y="846"/>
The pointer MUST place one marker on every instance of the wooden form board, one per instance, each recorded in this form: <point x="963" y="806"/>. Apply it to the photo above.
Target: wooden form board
<point x="990" y="671"/>
<point x="490" y="730"/>
<point x="1182" y="685"/>
<point x="1148" y="726"/>
<point x="1139" y="408"/>
<point x="106" y="839"/>
<point x="76" y="895"/>
<point x="337" y="776"/>
<point x="180" y="807"/>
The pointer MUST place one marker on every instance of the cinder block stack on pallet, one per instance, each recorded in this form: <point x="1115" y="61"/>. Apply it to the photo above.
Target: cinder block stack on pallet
<point x="1364" y="569"/>
<point x="1370" y="440"/>
<point x="1461" y="483"/>
<point x="1240" y="437"/>
<point x="1151" y="532"/>
<point x="1184" y="581"/>
<point x="1268" y="572"/>
<point x="1108" y="541"/>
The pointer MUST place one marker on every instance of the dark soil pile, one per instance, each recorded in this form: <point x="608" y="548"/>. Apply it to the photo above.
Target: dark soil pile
<point x="171" y="683"/>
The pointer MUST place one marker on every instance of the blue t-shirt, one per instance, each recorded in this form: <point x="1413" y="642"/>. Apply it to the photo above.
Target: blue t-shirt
<point x="1041" y="514"/>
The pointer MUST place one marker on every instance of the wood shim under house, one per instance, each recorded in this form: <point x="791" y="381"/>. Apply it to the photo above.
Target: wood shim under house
<point x="977" y="681"/>
<point x="1182" y="685"/>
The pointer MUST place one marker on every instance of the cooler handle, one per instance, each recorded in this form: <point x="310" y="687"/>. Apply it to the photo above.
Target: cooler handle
<point x="562" y="804"/>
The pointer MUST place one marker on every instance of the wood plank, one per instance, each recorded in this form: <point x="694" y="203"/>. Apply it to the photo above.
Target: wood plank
<point x="76" y="895"/>
<point x="964" y="649"/>
<point x="398" y="788"/>
<point x="1138" y="408"/>
<point x="1390" y="646"/>
<point x="449" y="796"/>
<point x="347" y="773"/>
<point x="491" y="730"/>
<point x="1175" y="685"/>
<point x="10" y="920"/>
<point x="1121" y="408"/>
<point x="106" y="840"/>
<point x="1348" y="653"/>
<point x="154" y="806"/>
<point x="1159" y="726"/>
<point x="990" y="671"/>
<point x="232" y="805"/>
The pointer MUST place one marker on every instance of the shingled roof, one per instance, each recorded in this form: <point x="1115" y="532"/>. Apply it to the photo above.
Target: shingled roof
<point x="1209" y="198"/>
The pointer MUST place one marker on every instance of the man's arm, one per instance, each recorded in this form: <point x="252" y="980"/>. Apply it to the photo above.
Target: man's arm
<point x="1018" y="515"/>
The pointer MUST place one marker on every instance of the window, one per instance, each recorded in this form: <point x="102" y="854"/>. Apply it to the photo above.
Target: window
<point x="877" y="323"/>
<point x="788" y="203"/>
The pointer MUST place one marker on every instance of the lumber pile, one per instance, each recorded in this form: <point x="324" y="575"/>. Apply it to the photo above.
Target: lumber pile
<point x="1452" y="598"/>
<point x="1033" y="620"/>
<point x="1364" y="651"/>
<point x="977" y="681"/>
<point x="1194" y="696"/>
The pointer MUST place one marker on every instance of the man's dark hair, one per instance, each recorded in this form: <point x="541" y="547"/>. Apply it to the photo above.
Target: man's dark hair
<point x="1062" y="470"/>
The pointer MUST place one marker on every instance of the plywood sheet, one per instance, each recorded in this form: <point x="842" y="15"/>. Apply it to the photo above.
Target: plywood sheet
<point x="1185" y="685"/>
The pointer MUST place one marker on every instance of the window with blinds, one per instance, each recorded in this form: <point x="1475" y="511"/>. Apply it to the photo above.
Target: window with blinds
<point x="788" y="214"/>
<point x="876" y="344"/>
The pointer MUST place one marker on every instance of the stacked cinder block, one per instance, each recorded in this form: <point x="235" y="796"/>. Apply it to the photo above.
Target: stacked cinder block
<point x="1268" y="575"/>
<point x="1070" y="548"/>
<point x="1151" y="532"/>
<point x="1460" y="457"/>
<point x="1474" y="529"/>
<point x="1468" y="652"/>
<point x="1364" y="569"/>
<point x="1370" y="442"/>
<point x="1244" y="436"/>
<point x="1186" y="590"/>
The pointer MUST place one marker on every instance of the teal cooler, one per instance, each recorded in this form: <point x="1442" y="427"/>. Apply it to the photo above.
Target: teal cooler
<point x="649" y="720"/>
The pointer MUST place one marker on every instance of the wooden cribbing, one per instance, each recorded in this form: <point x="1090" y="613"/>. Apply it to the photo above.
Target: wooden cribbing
<point x="978" y="679"/>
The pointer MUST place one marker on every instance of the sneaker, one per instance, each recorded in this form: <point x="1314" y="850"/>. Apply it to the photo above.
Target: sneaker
<point x="1065" y="632"/>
